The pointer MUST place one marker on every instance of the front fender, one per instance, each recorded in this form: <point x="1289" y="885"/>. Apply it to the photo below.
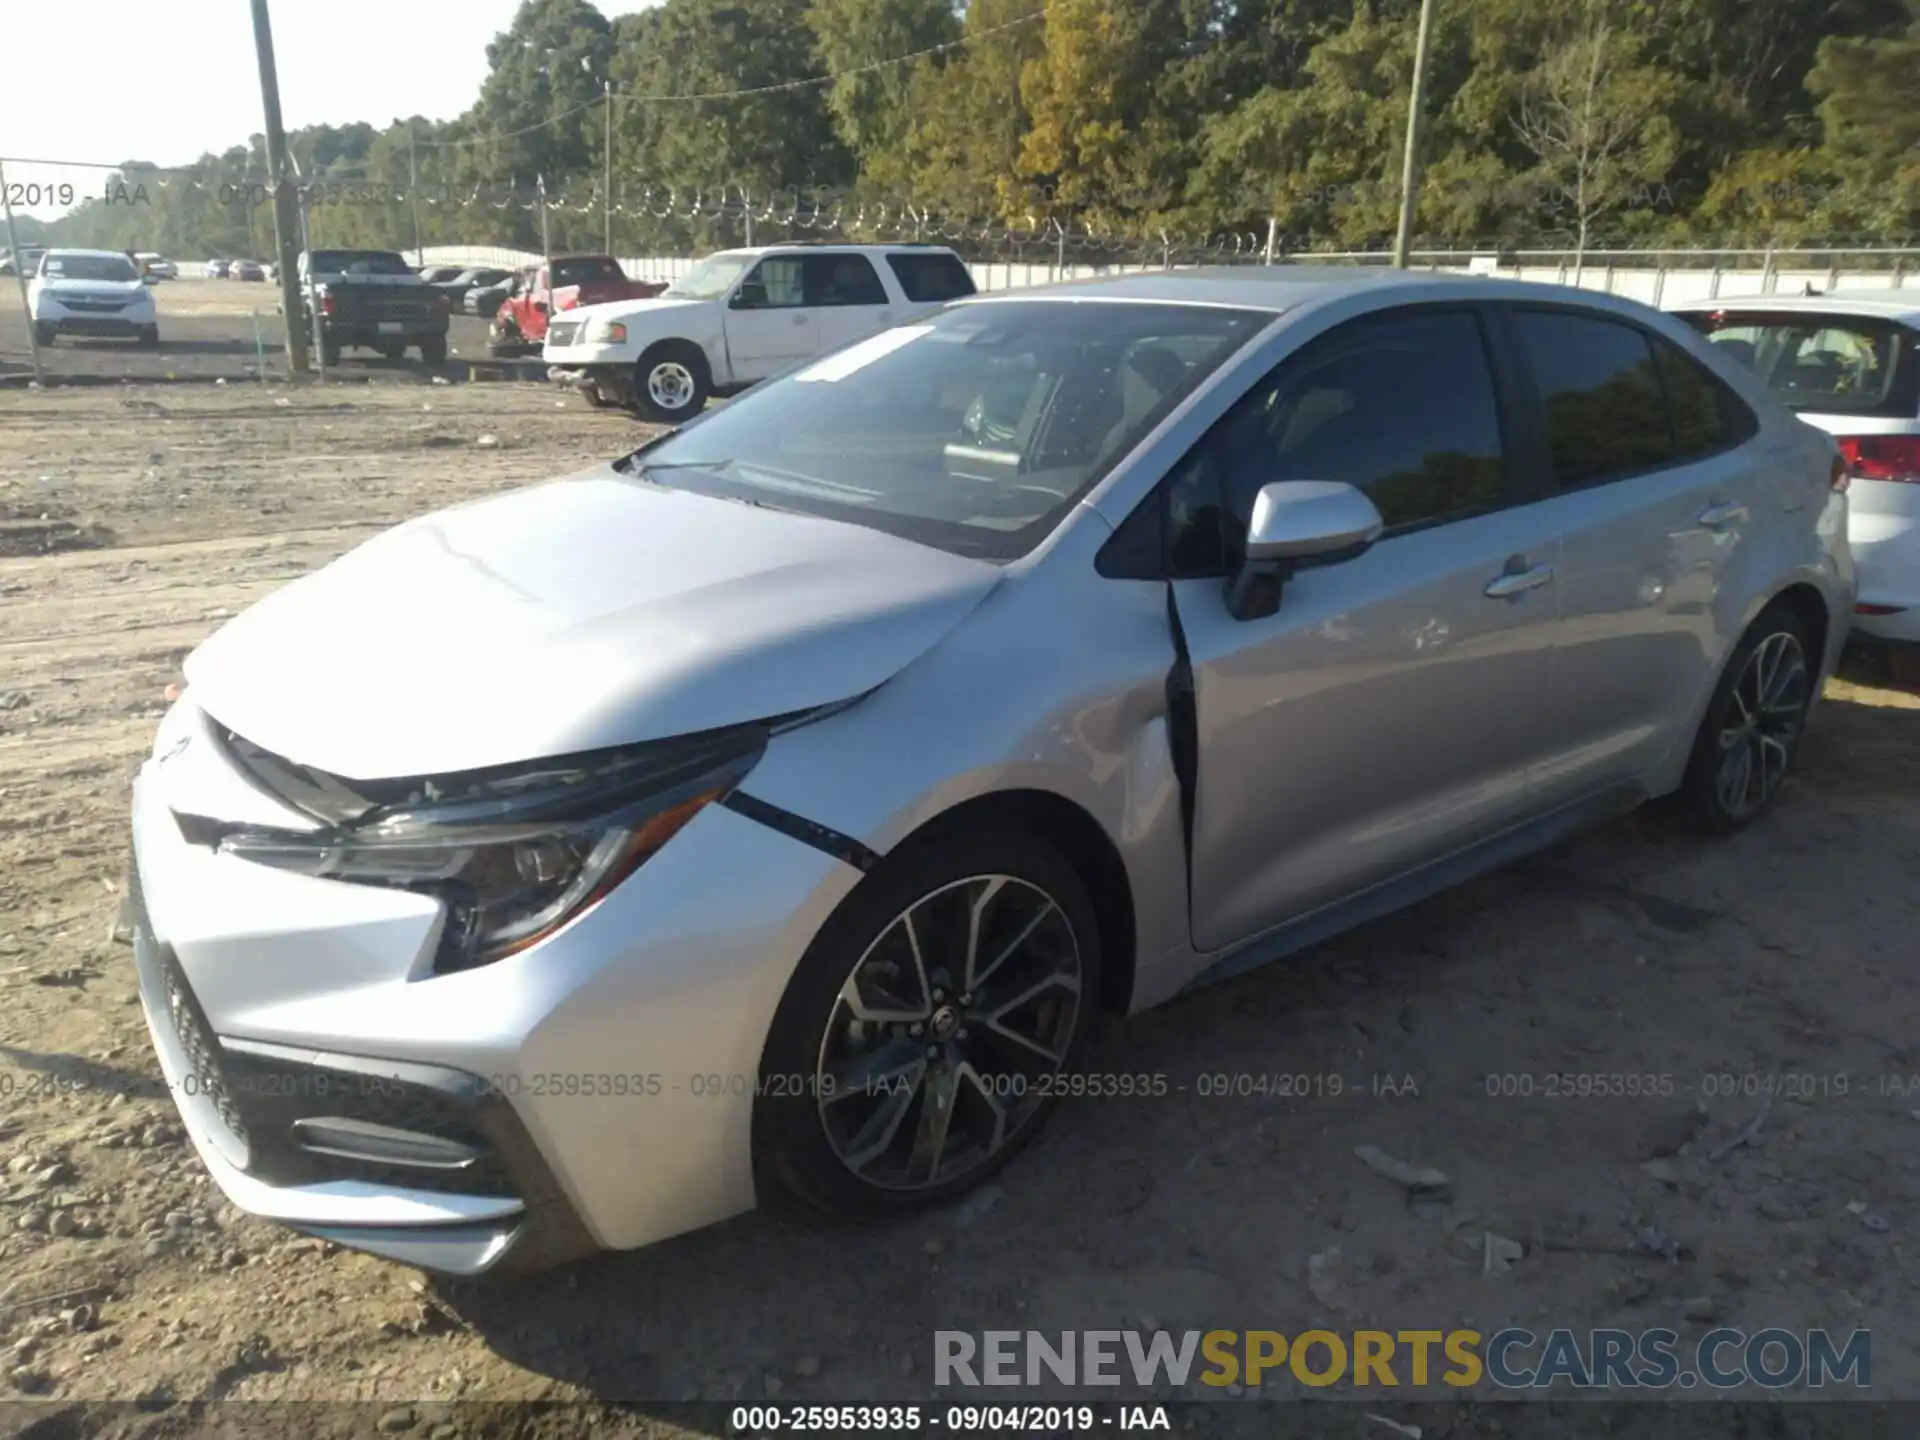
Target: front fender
<point x="1083" y="719"/>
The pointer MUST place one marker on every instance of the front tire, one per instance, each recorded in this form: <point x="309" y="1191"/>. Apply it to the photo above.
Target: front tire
<point x="149" y="337"/>
<point x="44" y="336"/>
<point x="1752" y="728"/>
<point x="922" y="1040"/>
<point x="672" y="383"/>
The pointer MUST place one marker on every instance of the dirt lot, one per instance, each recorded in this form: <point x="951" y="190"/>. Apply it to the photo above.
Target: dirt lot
<point x="207" y="329"/>
<point x="135" y="520"/>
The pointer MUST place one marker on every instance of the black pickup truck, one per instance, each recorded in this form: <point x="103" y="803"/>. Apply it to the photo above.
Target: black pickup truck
<point x="372" y="299"/>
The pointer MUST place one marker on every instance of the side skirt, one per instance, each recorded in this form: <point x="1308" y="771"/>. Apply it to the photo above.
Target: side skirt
<point x="1396" y="894"/>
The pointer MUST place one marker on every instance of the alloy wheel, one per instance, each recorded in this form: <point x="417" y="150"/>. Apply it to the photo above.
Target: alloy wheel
<point x="945" y="1040"/>
<point x="1761" y="722"/>
<point x="670" y="385"/>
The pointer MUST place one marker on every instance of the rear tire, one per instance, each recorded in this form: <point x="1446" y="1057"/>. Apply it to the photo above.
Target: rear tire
<point x="671" y="383"/>
<point x="330" y="352"/>
<point x="44" y="336"/>
<point x="434" y="351"/>
<point x="1003" y="939"/>
<point x="1753" y="725"/>
<point x="503" y="339"/>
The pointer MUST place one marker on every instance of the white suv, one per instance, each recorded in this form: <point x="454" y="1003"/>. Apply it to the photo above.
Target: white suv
<point x="741" y="316"/>
<point x="1848" y="363"/>
<point x="91" y="292"/>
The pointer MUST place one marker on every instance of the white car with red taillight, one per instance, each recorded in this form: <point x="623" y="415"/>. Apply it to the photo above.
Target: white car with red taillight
<point x="1849" y="363"/>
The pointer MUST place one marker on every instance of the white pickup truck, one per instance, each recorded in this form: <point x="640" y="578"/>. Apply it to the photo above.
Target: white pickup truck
<point x="740" y="316"/>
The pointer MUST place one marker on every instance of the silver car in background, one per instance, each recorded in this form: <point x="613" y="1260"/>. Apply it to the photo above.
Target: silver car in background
<point x="769" y="812"/>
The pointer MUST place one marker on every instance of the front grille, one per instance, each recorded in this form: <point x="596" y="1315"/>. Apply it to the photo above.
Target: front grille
<point x="92" y="304"/>
<point x="205" y="1076"/>
<point x="561" y="332"/>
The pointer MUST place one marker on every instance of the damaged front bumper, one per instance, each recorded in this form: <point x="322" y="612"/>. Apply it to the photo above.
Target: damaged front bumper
<point x="593" y="1091"/>
<point x="421" y="1164"/>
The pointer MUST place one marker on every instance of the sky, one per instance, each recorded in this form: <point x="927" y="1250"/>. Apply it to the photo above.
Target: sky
<point x="166" y="83"/>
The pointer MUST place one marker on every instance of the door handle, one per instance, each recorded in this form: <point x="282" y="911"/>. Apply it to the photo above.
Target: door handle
<point x="1517" y="582"/>
<point x="799" y="319"/>
<point x="1722" y="513"/>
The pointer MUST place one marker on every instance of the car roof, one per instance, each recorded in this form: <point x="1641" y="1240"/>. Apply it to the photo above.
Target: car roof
<point x="1252" y="287"/>
<point x="1888" y="302"/>
<point x="96" y="254"/>
<point x="840" y="247"/>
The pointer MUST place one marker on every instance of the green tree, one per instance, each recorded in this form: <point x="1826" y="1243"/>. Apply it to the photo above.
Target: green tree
<point x="1593" y="117"/>
<point x="872" y="106"/>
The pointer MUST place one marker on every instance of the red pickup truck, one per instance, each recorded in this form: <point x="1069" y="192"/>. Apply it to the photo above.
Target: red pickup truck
<point x="565" y="282"/>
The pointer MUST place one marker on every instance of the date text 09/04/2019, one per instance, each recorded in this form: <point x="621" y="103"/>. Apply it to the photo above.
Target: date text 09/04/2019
<point x="771" y="1420"/>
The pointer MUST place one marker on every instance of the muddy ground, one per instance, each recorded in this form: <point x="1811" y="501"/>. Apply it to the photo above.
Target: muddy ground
<point x="132" y="521"/>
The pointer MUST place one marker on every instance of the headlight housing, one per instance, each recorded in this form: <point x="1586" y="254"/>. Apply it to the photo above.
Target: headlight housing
<point x="607" y="332"/>
<point x="516" y="852"/>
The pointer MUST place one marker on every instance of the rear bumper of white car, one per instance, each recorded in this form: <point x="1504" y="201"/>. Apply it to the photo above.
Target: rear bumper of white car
<point x="593" y="1091"/>
<point x="1886" y="558"/>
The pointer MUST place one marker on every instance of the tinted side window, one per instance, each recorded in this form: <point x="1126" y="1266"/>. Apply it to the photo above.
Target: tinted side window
<point x="843" y="280"/>
<point x="1606" y="409"/>
<point x="1403" y="407"/>
<point x="930" y="279"/>
<point x="1707" y="416"/>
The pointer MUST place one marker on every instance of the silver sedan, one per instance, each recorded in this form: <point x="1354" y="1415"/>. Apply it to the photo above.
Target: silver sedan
<point x="768" y="813"/>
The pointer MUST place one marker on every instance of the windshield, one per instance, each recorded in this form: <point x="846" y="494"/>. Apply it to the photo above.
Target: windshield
<point x="88" y="267"/>
<point x="973" y="431"/>
<point x="357" y="262"/>
<point x="1822" y="363"/>
<point x="711" y="278"/>
<point x="583" y="269"/>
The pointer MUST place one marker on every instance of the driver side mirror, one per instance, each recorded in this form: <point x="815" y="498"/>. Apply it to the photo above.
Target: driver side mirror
<point x="752" y="295"/>
<point x="1296" y="523"/>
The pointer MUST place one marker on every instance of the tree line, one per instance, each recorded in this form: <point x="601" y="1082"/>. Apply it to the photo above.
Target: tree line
<point x="1152" y="122"/>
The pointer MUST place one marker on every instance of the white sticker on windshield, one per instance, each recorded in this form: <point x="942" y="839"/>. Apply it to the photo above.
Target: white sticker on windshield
<point x="858" y="357"/>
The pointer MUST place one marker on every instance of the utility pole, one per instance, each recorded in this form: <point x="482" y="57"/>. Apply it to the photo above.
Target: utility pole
<point x="607" y="198"/>
<point x="413" y="196"/>
<point x="20" y="275"/>
<point x="546" y="245"/>
<point x="286" y="225"/>
<point x="1410" y="167"/>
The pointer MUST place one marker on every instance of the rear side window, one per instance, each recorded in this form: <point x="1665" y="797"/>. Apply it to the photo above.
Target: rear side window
<point x="930" y="279"/>
<point x="1606" y="409"/>
<point x="843" y="280"/>
<point x="1831" y="364"/>
<point x="1707" y="416"/>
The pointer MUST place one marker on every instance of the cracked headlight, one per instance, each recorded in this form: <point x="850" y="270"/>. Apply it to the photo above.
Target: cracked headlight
<point x="514" y="853"/>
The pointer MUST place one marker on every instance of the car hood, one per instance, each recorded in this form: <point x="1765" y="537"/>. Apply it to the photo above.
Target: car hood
<point x="587" y="612"/>
<point x="100" y="289"/>
<point x="634" y="310"/>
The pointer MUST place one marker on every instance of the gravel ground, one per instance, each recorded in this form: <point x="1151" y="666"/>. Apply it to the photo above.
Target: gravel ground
<point x="133" y="520"/>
